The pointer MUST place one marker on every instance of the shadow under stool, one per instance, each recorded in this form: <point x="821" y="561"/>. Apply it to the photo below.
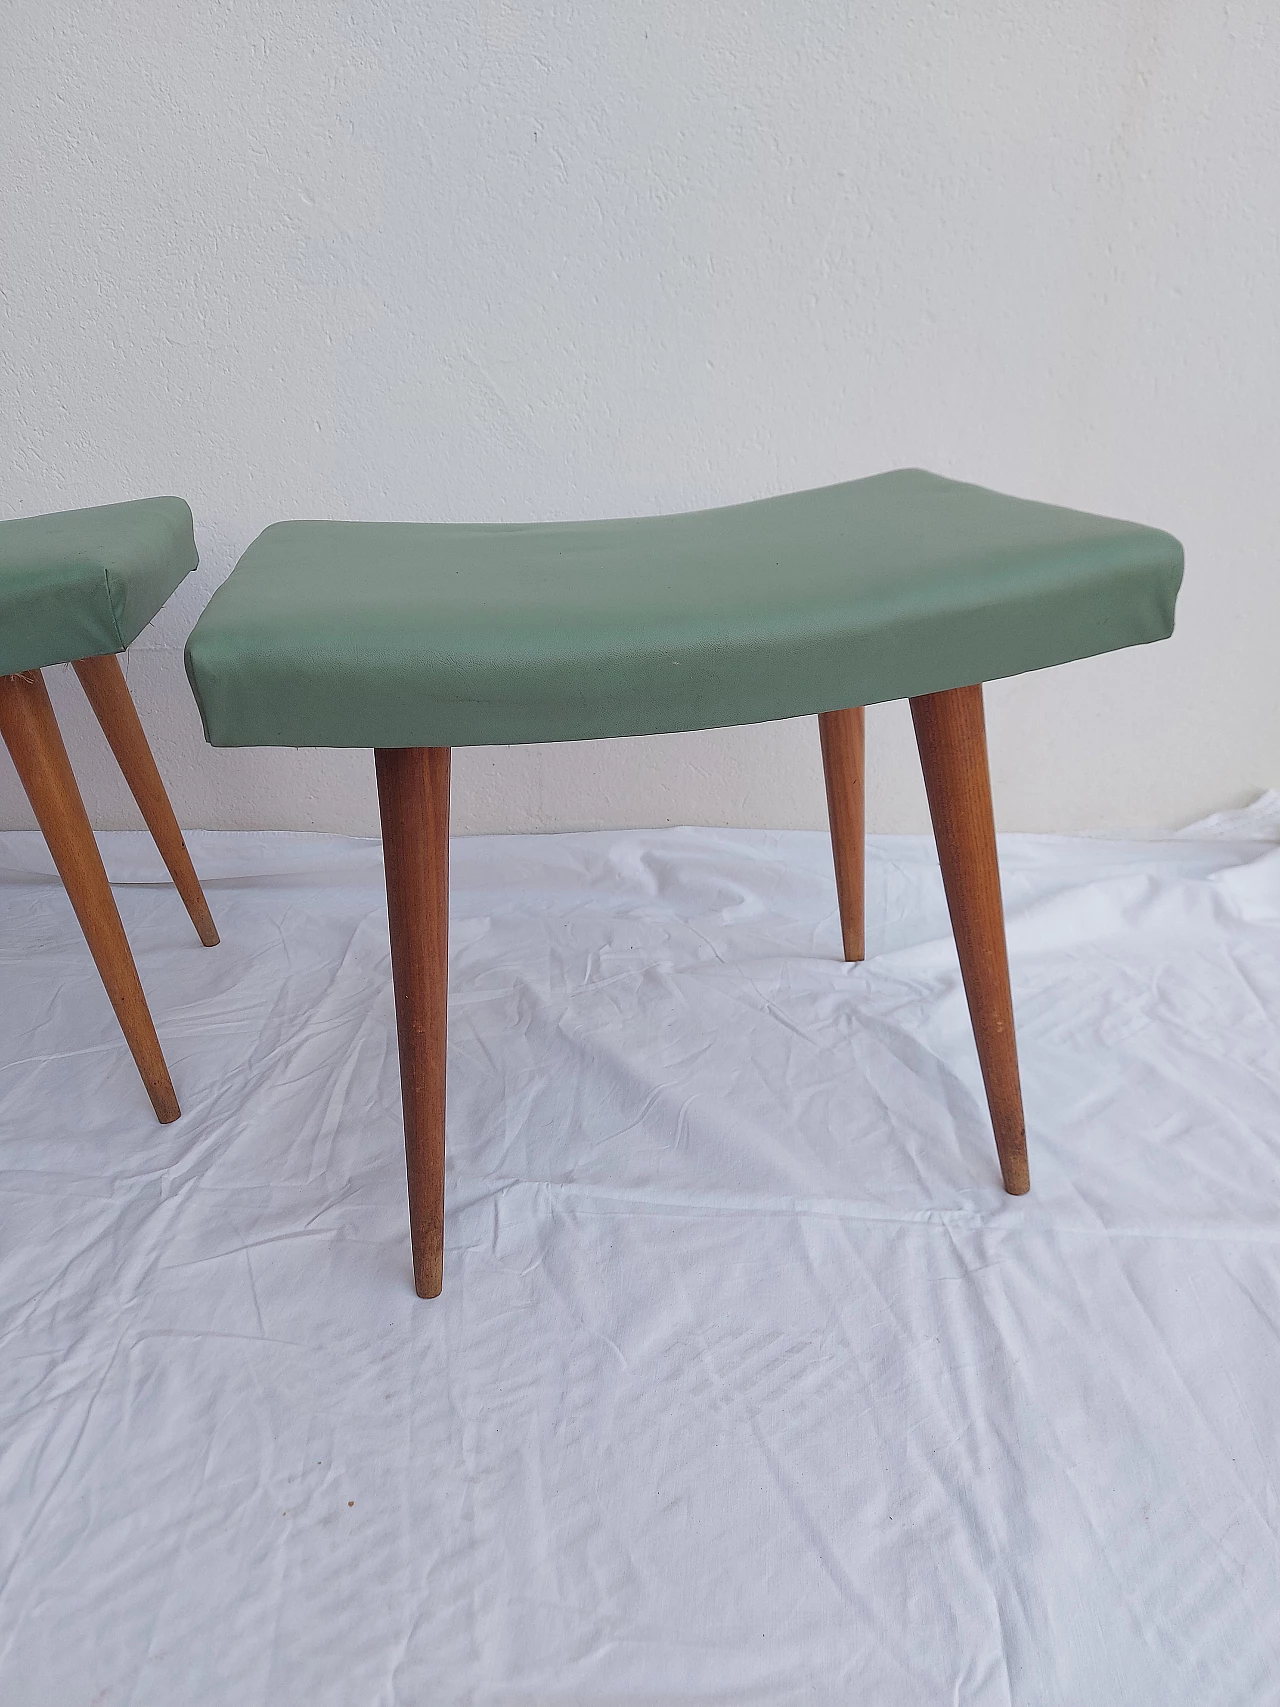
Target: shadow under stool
<point x="78" y="588"/>
<point x="414" y="638"/>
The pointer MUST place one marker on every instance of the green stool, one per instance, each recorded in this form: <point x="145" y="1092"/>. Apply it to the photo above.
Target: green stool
<point x="78" y="588"/>
<point x="414" y="638"/>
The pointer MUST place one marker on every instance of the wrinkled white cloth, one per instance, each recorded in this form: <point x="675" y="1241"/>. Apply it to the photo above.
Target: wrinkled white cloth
<point x="748" y="1384"/>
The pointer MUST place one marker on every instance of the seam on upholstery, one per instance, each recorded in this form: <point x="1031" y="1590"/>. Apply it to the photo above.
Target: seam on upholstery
<point x="111" y="606"/>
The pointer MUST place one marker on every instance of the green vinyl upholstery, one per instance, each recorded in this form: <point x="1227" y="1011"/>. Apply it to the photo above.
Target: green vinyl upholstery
<point x="84" y="583"/>
<point x="410" y="634"/>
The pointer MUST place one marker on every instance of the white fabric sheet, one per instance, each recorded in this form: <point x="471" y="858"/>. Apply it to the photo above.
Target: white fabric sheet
<point x="748" y="1384"/>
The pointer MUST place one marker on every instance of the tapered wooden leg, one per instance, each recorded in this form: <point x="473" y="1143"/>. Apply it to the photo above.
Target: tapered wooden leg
<point x="951" y="735"/>
<point x="413" y="797"/>
<point x="31" y="734"/>
<point x="103" y="682"/>
<point x="843" y="737"/>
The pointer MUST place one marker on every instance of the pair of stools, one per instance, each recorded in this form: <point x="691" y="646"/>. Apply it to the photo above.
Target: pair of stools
<point x="414" y="638"/>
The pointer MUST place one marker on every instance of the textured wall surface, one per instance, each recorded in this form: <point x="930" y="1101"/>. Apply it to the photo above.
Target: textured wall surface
<point x="519" y="261"/>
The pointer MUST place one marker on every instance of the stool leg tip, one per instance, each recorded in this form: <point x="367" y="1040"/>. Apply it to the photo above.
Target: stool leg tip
<point x="1017" y="1179"/>
<point x="202" y="919"/>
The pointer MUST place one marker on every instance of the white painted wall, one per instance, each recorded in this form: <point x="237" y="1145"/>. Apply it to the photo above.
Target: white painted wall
<point x="519" y="259"/>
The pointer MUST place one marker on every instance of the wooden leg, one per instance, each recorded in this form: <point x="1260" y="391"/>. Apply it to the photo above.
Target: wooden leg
<point x="413" y="798"/>
<point x="843" y="750"/>
<point x="103" y="682"/>
<point x="31" y="734"/>
<point x="951" y="735"/>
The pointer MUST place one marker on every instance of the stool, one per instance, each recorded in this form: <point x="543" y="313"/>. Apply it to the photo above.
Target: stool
<point x="413" y="638"/>
<point x="78" y="588"/>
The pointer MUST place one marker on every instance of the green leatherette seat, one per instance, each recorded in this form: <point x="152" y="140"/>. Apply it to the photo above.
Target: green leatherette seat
<point x="386" y="634"/>
<point x="87" y="582"/>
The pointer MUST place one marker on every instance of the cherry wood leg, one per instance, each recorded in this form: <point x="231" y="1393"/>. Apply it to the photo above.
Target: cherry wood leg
<point x="413" y="798"/>
<point x="843" y="737"/>
<point x="107" y="692"/>
<point x="31" y="733"/>
<point x="951" y="736"/>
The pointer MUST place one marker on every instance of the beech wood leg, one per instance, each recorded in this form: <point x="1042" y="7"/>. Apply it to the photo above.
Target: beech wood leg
<point x="103" y="682"/>
<point x="413" y="798"/>
<point x="31" y="734"/>
<point x="951" y="735"/>
<point x="843" y="737"/>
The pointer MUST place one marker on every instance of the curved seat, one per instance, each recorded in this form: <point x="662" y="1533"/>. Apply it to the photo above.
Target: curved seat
<point x="85" y="583"/>
<point x="413" y="634"/>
